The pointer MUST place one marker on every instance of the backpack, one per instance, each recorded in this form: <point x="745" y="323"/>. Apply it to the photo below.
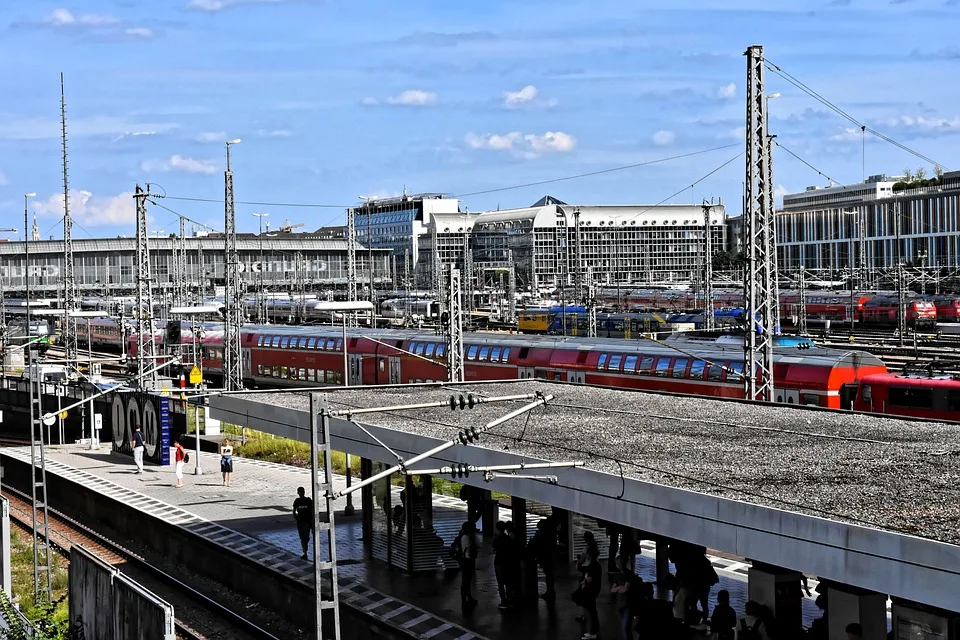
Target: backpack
<point x="456" y="549"/>
<point x="749" y="632"/>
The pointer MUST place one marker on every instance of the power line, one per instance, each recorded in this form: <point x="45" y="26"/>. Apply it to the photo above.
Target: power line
<point x="597" y="173"/>
<point x="843" y="114"/>
<point x="779" y="144"/>
<point x="476" y="193"/>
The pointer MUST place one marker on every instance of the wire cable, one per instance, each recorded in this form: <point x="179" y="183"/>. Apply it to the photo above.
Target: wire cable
<point x="843" y="114"/>
<point x="777" y="142"/>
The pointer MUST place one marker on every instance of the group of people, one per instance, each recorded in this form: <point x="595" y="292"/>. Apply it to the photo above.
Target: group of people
<point x="181" y="457"/>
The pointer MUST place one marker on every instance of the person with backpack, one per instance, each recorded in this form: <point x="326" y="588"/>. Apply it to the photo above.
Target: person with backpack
<point x="627" y="590"/>
<point x="304" y="517"/>
<point x="465" y="549"/>
<point x="756" y="624"/>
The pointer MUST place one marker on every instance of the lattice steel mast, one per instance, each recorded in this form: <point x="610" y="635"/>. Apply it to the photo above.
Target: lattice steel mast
<point x="760" y="287"/>
<point x="707" y="268"/>
<point x="455" y="329"/>
<point x="511" y="288"/>
<point x="352" y="258"/>
<point x="146" y="344"/>
<point x="233" y="291"/>
<point x="180" y="288"/>
<point x="70" y="302"/>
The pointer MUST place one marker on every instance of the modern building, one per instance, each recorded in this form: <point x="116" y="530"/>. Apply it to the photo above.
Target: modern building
<point x="108" y="265"/>
<point x="873" y="225"/>
<point x="398" y="224"/>
<point x="552" y="243"/>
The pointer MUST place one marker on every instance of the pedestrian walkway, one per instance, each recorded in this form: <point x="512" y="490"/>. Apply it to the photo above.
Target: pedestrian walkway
<point x="254" y="517"/>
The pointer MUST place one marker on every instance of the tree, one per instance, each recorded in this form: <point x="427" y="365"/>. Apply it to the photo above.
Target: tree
<point x="921" y="173"/>
<point x="907" y="175"/>
<point x="938" y="172"/>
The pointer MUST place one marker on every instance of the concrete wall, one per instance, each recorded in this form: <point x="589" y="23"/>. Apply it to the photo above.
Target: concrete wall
<point x="918" y="569"/>
<point x="109" y="606"/>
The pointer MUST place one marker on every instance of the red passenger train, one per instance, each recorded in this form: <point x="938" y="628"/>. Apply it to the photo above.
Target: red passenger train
<point x="919" y="396"/>
<point x="285" y="356"/>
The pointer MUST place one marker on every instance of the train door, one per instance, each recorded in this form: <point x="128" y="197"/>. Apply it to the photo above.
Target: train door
<point x="356" y="364"/>
<point x="394" y="362"/>
<point x="789" y="396"/>
<point x="527" y="372"/>
<point x="245" y="371"/>
<point x="848" y="395"/>
<point x="575" y="376"/>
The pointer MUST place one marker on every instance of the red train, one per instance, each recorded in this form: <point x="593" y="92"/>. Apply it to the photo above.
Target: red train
<point x="883" y="311"/>
<point x="284" y="356"/>
<point x="920" y="396"/>
<point x="948" y="308"/>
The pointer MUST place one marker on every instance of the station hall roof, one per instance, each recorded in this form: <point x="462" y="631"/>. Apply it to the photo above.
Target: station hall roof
<point x="892" y="474"/>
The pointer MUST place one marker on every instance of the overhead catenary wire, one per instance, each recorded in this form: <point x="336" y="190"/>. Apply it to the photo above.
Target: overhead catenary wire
<point x="843" y="114"/>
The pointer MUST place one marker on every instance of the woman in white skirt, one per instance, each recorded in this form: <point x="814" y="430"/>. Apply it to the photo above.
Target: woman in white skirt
<point x="179" y="458"/>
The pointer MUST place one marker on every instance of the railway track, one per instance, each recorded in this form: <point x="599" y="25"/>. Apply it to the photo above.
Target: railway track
<point x="199" y="617"/>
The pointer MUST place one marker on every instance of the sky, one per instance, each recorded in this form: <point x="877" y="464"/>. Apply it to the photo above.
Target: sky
<point x="334" y="100"/>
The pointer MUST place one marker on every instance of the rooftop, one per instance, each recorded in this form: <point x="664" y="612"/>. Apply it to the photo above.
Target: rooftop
<point x="891" y="474"/>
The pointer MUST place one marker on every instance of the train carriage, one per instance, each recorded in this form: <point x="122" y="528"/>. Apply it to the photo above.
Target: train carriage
<point x="920" y="396"/>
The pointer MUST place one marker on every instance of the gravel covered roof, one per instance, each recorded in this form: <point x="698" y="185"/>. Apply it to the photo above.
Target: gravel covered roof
<point x="894" y="474"/>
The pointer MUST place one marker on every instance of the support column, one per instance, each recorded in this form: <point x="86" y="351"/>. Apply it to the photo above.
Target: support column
<point x="663" y="569"/>
<point x="779" y="589"/>
<point x="488" y="513"/>
<point x="849" y="604"/>
<point x="528" y="578"/>
<point x="366" y="502"/>
<point x="409" y="511"/>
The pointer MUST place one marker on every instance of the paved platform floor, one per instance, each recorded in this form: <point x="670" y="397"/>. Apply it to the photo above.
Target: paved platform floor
<point x="259" y="505"/>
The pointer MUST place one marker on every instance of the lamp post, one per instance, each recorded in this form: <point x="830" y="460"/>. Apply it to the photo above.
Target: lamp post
<point x="261" y="300"/>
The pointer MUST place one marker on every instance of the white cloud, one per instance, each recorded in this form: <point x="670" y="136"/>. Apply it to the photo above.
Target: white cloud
<point x="65" y="18"/>
<point x="924" y="124"/>
<point x="275" y="133"/>
<point x="138" y="32"/>
<point x="664" y="137"/>
<point x="524" y="96"/>
<point x="727" y="92"/>
<point x="212" y="136"/>
<point x="849" y="134"/>
<point x="134" y="134"/>
<point x="526" y="145"/>
<point x="176" y="162"/>
<point x="91" y="210"/>
<point x="219" y="5"/>
<point x="413" y="98"/>
<point x="42" y="128"/>
<point x="4" y="181"/>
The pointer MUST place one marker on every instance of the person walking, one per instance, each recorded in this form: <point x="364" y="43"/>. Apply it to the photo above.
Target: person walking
<point x="137" y="444"/>
<point x="304" y="517"/>
<point x="502" y="549"/>
<point x="626" y="590"/>
<point x="226" y="462"/>
<point x="179" y="460"/>
<point x="543" y="551"/>
<point x="589" y="590"/>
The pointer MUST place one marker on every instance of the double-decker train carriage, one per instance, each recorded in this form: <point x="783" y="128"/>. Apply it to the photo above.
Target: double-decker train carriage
<point x="822" y="306"/>
<point x="609" y="325"/>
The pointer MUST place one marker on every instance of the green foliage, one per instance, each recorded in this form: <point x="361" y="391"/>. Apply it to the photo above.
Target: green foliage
<point x="728" y="260"/>
<point x="265" y="446"/>
<point x="50" y="620"/>
<point x="917" y="183"/>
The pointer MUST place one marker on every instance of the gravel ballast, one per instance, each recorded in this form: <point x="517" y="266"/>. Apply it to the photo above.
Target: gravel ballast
<point x="894" y="474"/>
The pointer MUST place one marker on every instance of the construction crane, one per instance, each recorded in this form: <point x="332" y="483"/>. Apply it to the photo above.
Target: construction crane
<point x="286" y="227"/>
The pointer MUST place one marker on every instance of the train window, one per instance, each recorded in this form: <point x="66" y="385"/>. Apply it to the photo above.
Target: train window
<point x="696" y="369"/>
<point x="736" y="373"/>
<point x="429" y="351"/>
<point x="413" y="347"/>
<point x="302" y="343"/>
<point x="259" y="369"/>
<point x="420" y="347"/>
<point x="601" y="361"/>
<point x="331" y="343"/>
<point x="311" y="343"/>
<point x="715" y="373"/>
<point x="441" y="349"/>
<point x="302" y="374"/>
<point x="680" y="367"/>
<point x="495" y="354"/>
<point x="911" y="397"/>
<point x="284" y="342"/>
<point x="259" y="341"/>
<point x="276" y="341"/>
<point x="811" y="399"/>
<point x="867" y="393"/>
<point x="320" y="374"/>
<point x="629" y="364"/>
<point x="614" y="364"/>
<point x="953" y="400"/>
<point x="339" y="345"/>
<point x="284" y="372"/>
<point x="484" y="352"/>
<point x="646" y="364"/>
<point x="472" y="352"/>
<point x="663" y="366"/>
<point x="276" y="371"/>
<point x="506" y="354"/>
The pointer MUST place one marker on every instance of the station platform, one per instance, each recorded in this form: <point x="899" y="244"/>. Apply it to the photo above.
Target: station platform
<point x="253" y="517"/>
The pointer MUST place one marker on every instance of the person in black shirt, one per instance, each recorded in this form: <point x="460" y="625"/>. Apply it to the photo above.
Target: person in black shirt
<point x="137" y="444"/>
<point x="304" y="516"/>
<point x="590" y="589"/>
<point x="502" y="548"/>
<point x="724" y="618"/>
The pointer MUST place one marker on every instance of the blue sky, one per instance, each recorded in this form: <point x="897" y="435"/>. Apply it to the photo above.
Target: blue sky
<point x="335" y="100"/>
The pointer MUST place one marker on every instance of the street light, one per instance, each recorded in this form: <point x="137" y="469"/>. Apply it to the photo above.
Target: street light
<point x="230" y="142"/>
<point x="261" y="300"/>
